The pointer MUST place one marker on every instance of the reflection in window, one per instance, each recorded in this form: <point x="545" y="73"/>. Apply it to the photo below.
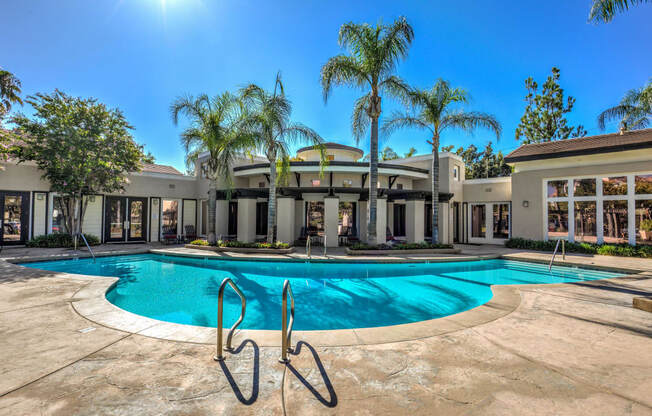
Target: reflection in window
<point x="315" y="217"/>
<point x="584" y="187"/>
<point x="585" y="222"/>
<point x="478" y="221"/>
<point x="614" y="222"/>
<point x="58" y="216"/>
<point x="170" y="215"/>
<point x="614" y="186"/>
<point x="643" y="184"/>
<point x="557" y="189"/>
<point x="644" y="222"/>
<point x="501" y="220"/>
<point x="346" y="219"/>
<point x="557" y="219"/>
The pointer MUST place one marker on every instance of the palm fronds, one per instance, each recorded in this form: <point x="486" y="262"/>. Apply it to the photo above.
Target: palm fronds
<point x="603" y="11"/>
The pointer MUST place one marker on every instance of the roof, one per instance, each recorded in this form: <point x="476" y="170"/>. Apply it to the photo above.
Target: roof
<point x="154" y="168"/>
<point x="332" y="145"/>
<point x="605" y="143"/>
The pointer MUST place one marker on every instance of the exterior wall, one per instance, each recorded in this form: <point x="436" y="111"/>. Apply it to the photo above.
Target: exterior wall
<point x="487" y="190"/>
<point x="338" y="154"/>
<point x="23" y="177"/>
<point x="39" y="214"/>
<point x="154" y="219"/>
<point x="93" y="217"/>
<point x="189" y="214"/>
<point x="528" y="185"/>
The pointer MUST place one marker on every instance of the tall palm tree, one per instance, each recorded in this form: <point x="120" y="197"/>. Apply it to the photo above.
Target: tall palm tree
<point x="215" y="128"/>
<point x="268" y="120"/>
<point x="605" y="10"/>
<point x="9" y="91"/>
<point x="434" y="110"/>
<point x="634" y="110"/>
<point x="373" y="53"/>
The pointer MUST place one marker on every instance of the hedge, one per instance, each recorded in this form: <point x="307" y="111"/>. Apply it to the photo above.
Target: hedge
<point x="400" y="246"/>
<point x="240" y="244"/>
<point x="623" y="250"/>
<point x="59" y="240"/>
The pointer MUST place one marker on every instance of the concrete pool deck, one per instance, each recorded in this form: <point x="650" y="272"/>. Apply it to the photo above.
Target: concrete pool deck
<point x="565" y="349"/>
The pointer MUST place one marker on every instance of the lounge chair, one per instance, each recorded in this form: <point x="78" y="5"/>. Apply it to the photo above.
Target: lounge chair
<point x="191" y="233"/>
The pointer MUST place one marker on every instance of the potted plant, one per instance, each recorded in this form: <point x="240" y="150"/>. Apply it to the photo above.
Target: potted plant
<point x="646" y="229"/>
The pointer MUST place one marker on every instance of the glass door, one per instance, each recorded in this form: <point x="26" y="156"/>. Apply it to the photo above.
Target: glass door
<point x="137" y="223"/>
<point x="14" y="214"/>
<point x="115" y="221"/>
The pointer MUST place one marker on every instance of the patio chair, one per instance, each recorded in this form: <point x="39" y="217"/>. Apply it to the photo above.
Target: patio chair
<point x="169" y="234"/>
<point x="191" y="233"/>
<point x="353" y="236"/>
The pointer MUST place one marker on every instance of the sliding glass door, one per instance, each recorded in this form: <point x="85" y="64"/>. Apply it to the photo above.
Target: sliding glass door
<point x="125" y="219"/>
<point x="14" y="217"/>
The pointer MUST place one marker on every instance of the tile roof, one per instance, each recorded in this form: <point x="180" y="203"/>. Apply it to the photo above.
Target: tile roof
<point x="605" y="143"/>
<point x="154" y="168"/>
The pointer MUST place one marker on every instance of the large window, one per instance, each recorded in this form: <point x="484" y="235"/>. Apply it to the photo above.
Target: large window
<point x="346" y="219"/>
<point x="501" y="220"/>
<point x="58" y="216"/>
<point x="478" y="221"/>
<point x="557" y="189"/>
<point x="614" y="186"/>
<point x="585" y="222"/>
<point x="399" y="220"/>
<point x="558" y="219"/>
<point x="584" y="187"/>
<point x="315" y="217"/>
<point x="170" y="216"/>
<point x="644" y="222"/>
<point x="614" y="222"/>
<point x="643" y="184"/>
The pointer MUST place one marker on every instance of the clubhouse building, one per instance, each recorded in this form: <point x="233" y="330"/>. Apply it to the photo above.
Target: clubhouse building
<point x="595" y="189"/>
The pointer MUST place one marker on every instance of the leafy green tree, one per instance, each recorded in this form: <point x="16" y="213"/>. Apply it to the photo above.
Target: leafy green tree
<point x="149" y="158"/>
<point x="603" y="11"/>
<point x="214" y="128"/>
<point x="268" y="120"/>
<point x="411" y="152"/>
<point x="634" y="111"/>
<point x="9" y="95"/>
<point x="81" y="147"/>
<point x="544" y="119"/>
<point x="435" y="111"/>
<point x="485" y="164"/>
<point x="370" y="65"/>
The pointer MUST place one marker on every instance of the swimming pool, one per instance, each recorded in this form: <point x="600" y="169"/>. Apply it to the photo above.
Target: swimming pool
<point x="328" y="295"/>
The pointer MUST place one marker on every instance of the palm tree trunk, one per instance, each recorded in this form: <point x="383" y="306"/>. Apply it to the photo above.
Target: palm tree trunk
<point x="372" y="237"/>
<point x="435" y="190"/>
<point x="212" y="197"/>
<point x="271" y="202"/>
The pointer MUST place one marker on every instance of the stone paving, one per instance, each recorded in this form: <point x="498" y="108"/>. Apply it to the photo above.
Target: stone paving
<point x="566" y="349"/>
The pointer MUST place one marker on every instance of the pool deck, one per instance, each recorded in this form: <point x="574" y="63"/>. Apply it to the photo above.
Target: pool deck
<point x="562" y="349"/>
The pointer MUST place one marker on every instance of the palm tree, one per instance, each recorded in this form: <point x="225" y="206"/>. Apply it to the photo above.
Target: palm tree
<point x="268" y="120"/>
<point x="9" y="92"/>
<point x="434" y="112"/>
<point x="214" y="128"/>
<point x="605" y="10"/>
<point x="374" y="52"/>
<point x="634" y="110"/>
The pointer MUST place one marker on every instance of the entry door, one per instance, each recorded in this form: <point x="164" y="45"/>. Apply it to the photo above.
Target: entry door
<point x="125" y="219"/>
<point x="14" y="217"/>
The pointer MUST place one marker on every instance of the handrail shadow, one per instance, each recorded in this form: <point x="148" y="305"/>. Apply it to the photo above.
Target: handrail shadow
<point x="256" y="379"/>
<point x="332" y="401"/>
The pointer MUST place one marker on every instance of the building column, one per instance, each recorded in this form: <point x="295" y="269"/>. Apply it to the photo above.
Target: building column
<point x="331" y="220"/>
<point x="221" y="218"/>
<point x="247" y="220"/>
<point x="381" y="220"/>
<point x="414" y="218"/>
<point x="285" y="219"/>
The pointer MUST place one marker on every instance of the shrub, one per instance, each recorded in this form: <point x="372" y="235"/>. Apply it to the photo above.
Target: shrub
<point x="199" y="243"/>
<point x="623" y="250"/>
<point x="646" y="225"/>
<point x="399" y="246"/>
<point x="240" y="244"/>
<point x="58" y="240"/>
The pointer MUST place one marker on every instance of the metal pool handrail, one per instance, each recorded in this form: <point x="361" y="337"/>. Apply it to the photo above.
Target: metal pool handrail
<point x="88" y="246"/>
<point x="325" y="235"/>
<point x="286" y="332"/>
<point x="554" y="253"/>
<point x="220" y="298"/>
<point x="309" y="247"/>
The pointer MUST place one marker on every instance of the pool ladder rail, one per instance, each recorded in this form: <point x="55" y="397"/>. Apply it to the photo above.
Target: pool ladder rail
<point x="88" y="246"/>
<point x="286" y="331"/>
<point x="554" y="253"/>
<point x="219" y="356"/>
<point x="309" y="247"/>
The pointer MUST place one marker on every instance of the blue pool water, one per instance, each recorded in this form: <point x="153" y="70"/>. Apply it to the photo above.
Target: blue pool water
<point x="328" y="296"/>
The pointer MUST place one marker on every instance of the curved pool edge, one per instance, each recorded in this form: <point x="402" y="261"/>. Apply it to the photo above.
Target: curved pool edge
<point x="90" y="302"/>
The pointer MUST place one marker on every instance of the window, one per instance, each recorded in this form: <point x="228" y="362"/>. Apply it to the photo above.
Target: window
<point x="557" y="219"/>
<point x="557" y="189"/>
<point x="314" y="217"/>
<point x="614" y="222"/>
<point x="643" y="222"/>
<point x="315" y="182"/>
<point x="456" y="172"/>
<point x="347" y="183"/>
<point x="584" y="187"/>
<point x="614" y="186"/>
<point x="169" y="216"/>
<point x="643" y="184"/>
<point x="261" y="184"/>
<point x="399" y="186"/>
<point x="203" y="167"/>
<point x="585" y="222"/>
<point x="58" y="216"/>
<point x="233" y="218"/>
<point x="346" y="223"/>
<point x="399" y="220"/>
<point x="501" y="220"/>
<point x="330" y="157"/>
<point x="261" y="218"/>
<point x="478" y="221"/>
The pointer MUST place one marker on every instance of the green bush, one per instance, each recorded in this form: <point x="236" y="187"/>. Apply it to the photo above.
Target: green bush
<point x="400" y="246"/>
<point x="199" y="243"/>
<point x="623" y="250"/>
<point x="58" y="240"/>
<point x="646" y="225"/>
<point x="240" y="244"/>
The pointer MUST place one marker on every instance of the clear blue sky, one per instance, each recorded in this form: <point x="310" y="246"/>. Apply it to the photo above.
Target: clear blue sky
<point x="139" y="55"/>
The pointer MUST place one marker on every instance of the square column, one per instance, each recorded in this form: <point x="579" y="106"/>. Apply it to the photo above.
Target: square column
<point x="285" y="219"/>
<point x="331" y="220"/>
<point x="414" y="220"/>
<point x="247" y="220"/>
<point x="381" y="220"/>
<point x="221" y="217"/>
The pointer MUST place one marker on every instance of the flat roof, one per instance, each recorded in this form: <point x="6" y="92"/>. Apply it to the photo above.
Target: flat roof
<point x="604" y="143"/>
